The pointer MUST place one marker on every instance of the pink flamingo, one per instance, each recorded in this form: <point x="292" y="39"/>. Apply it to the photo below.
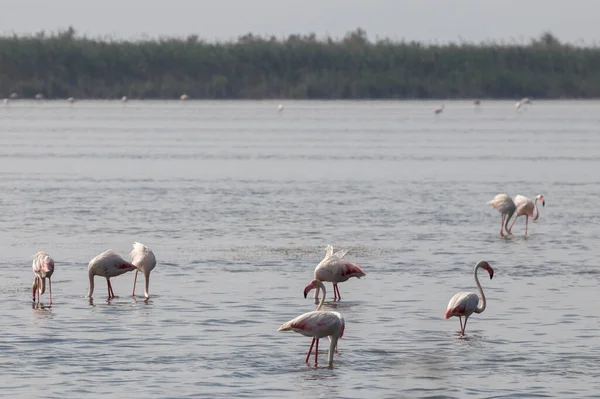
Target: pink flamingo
<point x="527" y="208"/>
<point x="465" y="303"/>
<point x="143" y="258"/>
<point x="43" y="267"/>
<point x="335" y="270"/>
<point x="108" y="264"/>
<point x="318" y="324"/>
<point x="439" y="110"/>
<point x="506" y="206"/>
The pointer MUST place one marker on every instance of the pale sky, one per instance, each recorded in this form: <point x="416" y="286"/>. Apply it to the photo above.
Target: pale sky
<point x="421" y="20"/>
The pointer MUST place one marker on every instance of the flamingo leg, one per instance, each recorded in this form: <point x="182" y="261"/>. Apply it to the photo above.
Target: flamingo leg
<point x="134" y="280"/>
<point x="39" y="288"/>
<point x="513" y="223"/>
<point x="336" y="290"/>
<point x="310" y="350"/>
<point x="465" y="327"/>
<point x="461" y="325"/>
<point x="526" y="223"/>
<point x="33" y="289"/>
<point x="50" y="288"/>
<point x="501" y="228"/>
<point x="316" y="351"/>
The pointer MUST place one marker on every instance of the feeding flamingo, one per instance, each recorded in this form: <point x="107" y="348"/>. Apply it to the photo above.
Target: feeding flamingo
<point x="335" y="270"/>
<point x="438" y="111"/>
<point x="506" y="206"/>
<point x="465" y="303"/>
<point x="43" y="267"/>
<point x="526" y="207"/>
<point x="318" y="324"/>
<point x="108" y="264"/>
<point x="143" y="258"/>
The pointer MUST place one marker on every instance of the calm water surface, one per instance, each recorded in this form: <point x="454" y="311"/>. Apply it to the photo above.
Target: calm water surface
<point x="238" y="203"/>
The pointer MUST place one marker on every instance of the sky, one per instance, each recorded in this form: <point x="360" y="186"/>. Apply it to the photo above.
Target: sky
<point x="429" y="21"/>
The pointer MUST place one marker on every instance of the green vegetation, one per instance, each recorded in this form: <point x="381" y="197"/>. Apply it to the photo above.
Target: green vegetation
<point x="300" y="67"/>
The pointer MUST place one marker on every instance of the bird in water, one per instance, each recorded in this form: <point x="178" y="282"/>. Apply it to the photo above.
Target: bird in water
<point x="144" y="260"/>
<point x="528" y="208"/>
<point x="43" y="267"/>
<point x="439" y="110"/>
<point x="467" y="303"/>
<point x="506" y="206"/>
<point x="336" y="270"/>
<point x="108" y="264"/>
<point x="318" y="324"/>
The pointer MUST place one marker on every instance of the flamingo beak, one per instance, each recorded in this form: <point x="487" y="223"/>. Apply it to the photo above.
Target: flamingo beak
<point x="308" y="288"/>
<point x="491" y="272"/>
<point x="543" y="203"/>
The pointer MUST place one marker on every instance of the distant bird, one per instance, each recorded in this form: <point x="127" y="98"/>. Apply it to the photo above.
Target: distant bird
<point x="39" y="96"/>
<point x="506" y="206"/>
<point x="477" y="102"/>
<point x="124" y="99"/>
<point x="43" y="267"/>
<point x="335" y="270"/>
<point x="318" y="324"/>
<point x="5" y="101"/>
<point x="280" y="108"/>
<point x="467" y="303"/>
<point x="526" y="207"/>
<point x="439" y="110"/>
<point x="108" y="264"/>
<point x="184" y="97"/>
<point x="71" y="99"/>
<point x="524" y="101"/>
<point x="143" y="258"/>
<point x="14" y="96"/>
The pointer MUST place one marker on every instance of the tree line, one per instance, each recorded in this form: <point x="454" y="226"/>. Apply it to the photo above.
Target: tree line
<point x="65" y="65"/>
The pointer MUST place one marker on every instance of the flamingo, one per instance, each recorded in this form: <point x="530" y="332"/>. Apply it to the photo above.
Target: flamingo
<point x="184" y="97"/>
<point x="506" y="206"/>
<point x="528" y="208"/>
<point x="465" y="303"/>
<point x="438" y="111"/>
<point x="318" y="324"/>
<point x="71" y="100"/>
<point x="477" y="101"/>
<point x="124" y="99"/>
<point x="43" y="267"/>
<point x="143" y="258"/>
<point x="5" y="101"/>
<point x="280" y="108"/>
<point x="335" y="270"/>
<point x="108" y="264"/>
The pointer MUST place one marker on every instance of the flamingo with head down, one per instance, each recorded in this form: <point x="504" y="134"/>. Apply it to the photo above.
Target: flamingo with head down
<point x="143" y="258"/>
<point x="318" y="324"/>
<point x="43" y="267"/>
<point x="108" y="264"/>
<point x="336" y="270"/>
<point x="467" y="303"/>
<point x="528" y="208"/>
<point x="506" y="206"/>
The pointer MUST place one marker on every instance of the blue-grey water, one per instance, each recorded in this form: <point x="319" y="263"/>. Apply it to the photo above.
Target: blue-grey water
<point x="238" y="202"/>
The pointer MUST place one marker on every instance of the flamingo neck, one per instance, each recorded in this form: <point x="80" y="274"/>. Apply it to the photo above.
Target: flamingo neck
<point x="42" y="286"/>
<point x="536" y="211"/>
<point x="332" y="345"/>
<point x="147" y="281"/>
<point x="508" y="216"/>
<point x="481" y="308"/>
<point x="91" y="291"/>
<point x="321" y="286"/>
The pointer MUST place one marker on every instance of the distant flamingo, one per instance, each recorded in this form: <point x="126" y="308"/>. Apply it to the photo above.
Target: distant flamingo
<point x="108" y="264"/>
<point x="477" y="102"/>
<point x="505" y="205"/>
<point x="184" y="97"/>
<point x="43" y="267"/>
<point x="280" y="108"/>
<point x="5" y="101"/>
<point x="465" y="303"/>
<point x="71" y="100"/>
<point x="438" y="111"/>
<point x="527" y="208"/>
<point x="318" y="324"/>
<point x="124" y="99"/>
<point x="143" y="258"/>
<point x="335" y="270"/>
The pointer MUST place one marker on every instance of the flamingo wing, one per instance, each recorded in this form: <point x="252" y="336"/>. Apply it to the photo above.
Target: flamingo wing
<point x="502" y="203"/>
<point x="142" y="257"/>
<point x="338" y="270"/>
<point x="462" y="304"/>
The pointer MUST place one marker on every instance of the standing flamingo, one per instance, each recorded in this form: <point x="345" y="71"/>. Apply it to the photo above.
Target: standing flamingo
<point x="143" y="258"/>
<point x="527" y="208"/>
<point x="335" y="270"/>
<point x="439" y="110"/>
<point x="506" y="206"/>
<point x="108" y="264"/>
<point x="43" y="267"/>
<point x="318" y="324"/>
<point x="465" y="303"/>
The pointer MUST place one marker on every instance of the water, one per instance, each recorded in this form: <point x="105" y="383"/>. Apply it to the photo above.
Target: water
<point x="238" y="203"/>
